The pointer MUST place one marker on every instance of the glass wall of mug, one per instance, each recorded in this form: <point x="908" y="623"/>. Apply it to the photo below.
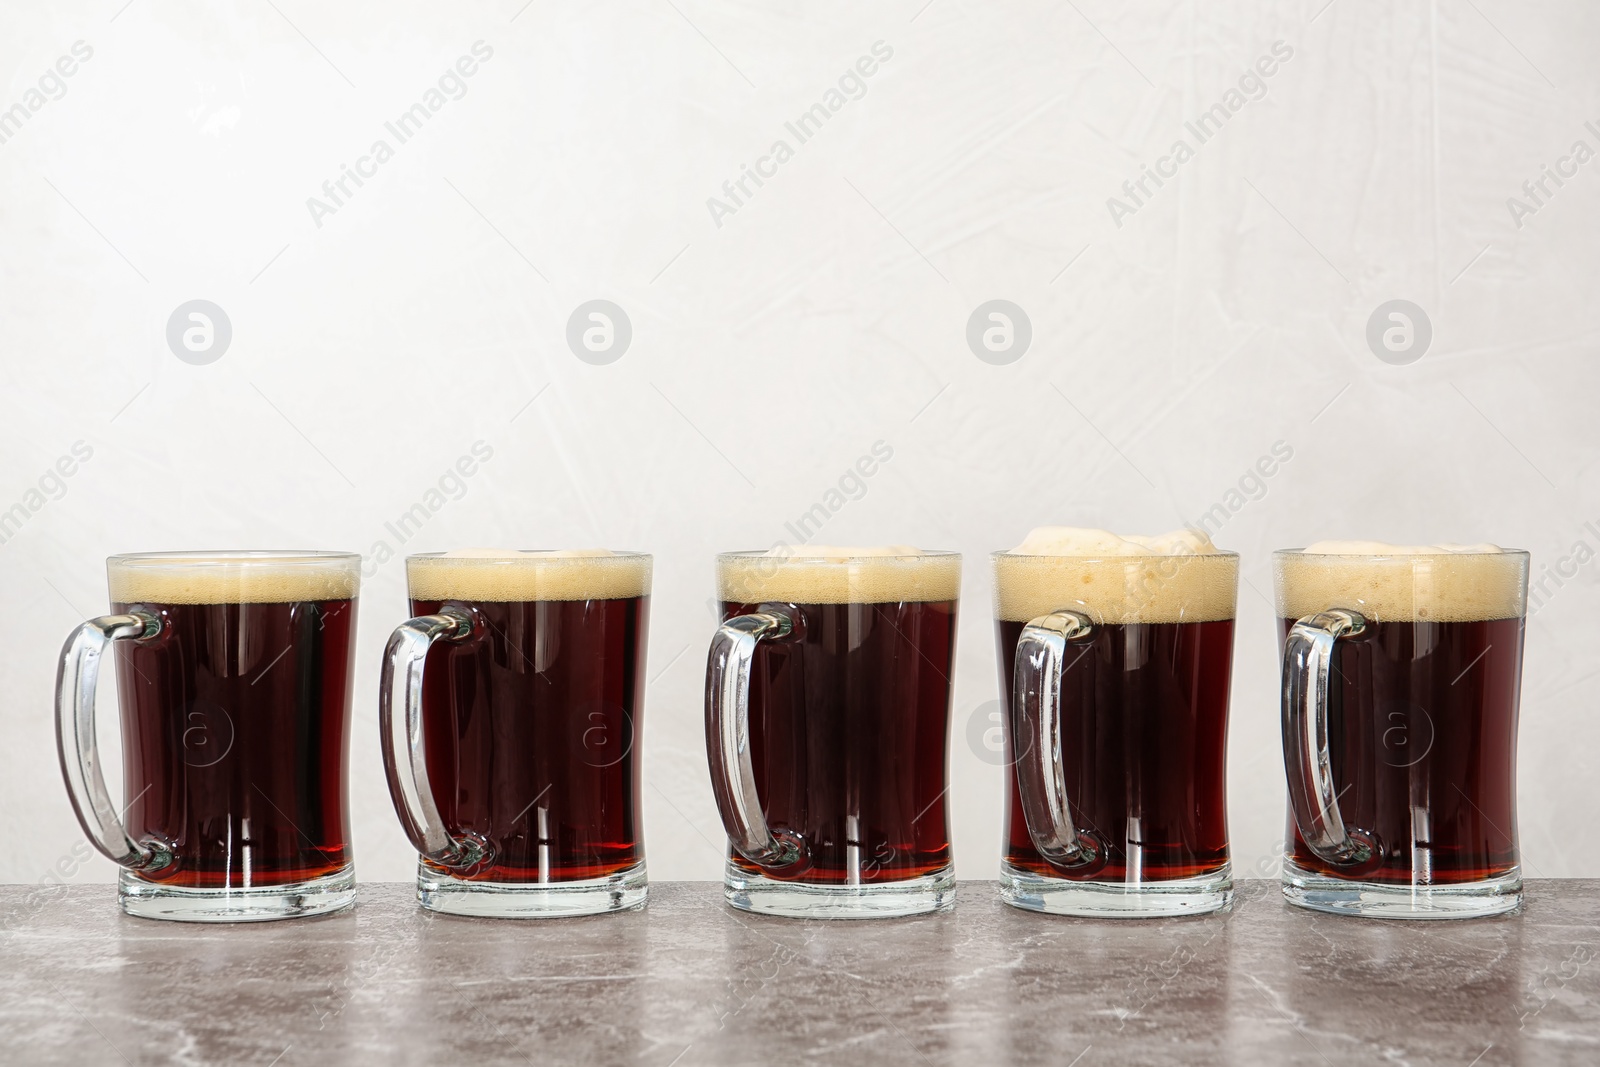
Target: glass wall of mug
<point x="1401" y="675"/>
<point x="233" y="671"/>
<point x="1115" y="669"/>
<point x="511" y="712"/>
<point x="827" y="724"/>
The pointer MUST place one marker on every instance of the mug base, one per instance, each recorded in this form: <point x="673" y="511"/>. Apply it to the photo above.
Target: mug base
<point x="814" y="900"/>
<point x="1116" y="900"/>
<point x="294" y="900"/>
<point x="1379" y="900"/>
<point x="532" y="900"/>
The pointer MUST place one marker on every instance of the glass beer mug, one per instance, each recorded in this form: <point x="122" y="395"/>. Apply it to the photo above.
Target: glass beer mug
<point x="827" y="725"/>
<point x="1402" y="671"/>
<point x="234" y="672"/>
<point x="1115" y="657"/>
<point x="510" y="713"/>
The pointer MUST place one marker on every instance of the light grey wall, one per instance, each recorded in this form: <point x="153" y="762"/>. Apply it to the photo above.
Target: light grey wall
<point x="1173" y="343"/>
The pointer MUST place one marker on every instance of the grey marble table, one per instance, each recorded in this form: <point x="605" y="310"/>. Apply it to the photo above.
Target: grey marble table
<point x="689" y="981"/>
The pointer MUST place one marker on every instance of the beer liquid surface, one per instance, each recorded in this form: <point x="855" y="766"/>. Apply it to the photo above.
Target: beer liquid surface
<point x="532" y="729"/>
<point x="236" y="728"/>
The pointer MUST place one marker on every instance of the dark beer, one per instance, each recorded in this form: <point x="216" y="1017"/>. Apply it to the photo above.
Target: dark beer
<point x="849" y="724"/>
<point x="1421" y="708"/>
<point x="1147" y="626"/>
<point x="236" y="728"/>
<point x="532" y="724"/>
<point x="1144" y="723"/>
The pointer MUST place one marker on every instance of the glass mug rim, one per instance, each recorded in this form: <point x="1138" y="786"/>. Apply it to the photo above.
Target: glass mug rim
<point x="1135" y="557"/>
<point x="854" y="560"/>
<point x="510" y="559"/>
<point x="233" y="558"/>
<point x="1396" y="557"/>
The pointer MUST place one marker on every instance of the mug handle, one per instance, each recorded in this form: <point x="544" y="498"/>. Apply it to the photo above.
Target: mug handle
<point x="728" y="666"/>
<point x="401" y="683"/>
<point x="1307" y="657"/>
<point x="1036" y="723"/>
<point x="79" y="753"/>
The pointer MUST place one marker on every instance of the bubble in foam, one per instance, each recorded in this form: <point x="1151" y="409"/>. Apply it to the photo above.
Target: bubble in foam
<point x="834" y="574"/>
<point x="1444" y="582"/>
<point x="496" y="574"/>
<point x="1116" y="578"/>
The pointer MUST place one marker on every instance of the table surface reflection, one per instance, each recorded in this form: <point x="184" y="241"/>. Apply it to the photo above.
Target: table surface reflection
<point x="690" y="981"/>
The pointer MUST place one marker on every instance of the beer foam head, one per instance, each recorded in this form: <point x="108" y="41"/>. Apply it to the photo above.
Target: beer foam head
<point x="508" y="574"/>
<point x="1116" y="578"/>
<point x="1397" y="583"/>
<point x="232" y="577"/>
<point x="1086" y="541"/>
<point x="827" y="574"/>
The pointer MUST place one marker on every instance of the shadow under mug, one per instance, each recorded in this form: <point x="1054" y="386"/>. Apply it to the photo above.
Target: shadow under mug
<point x="234" y="677"/>
<point x="1401" y="678"/>
<point x="510" y="712"/>
<point x="1115" y="671"/>
<point x="827" y="724"/>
